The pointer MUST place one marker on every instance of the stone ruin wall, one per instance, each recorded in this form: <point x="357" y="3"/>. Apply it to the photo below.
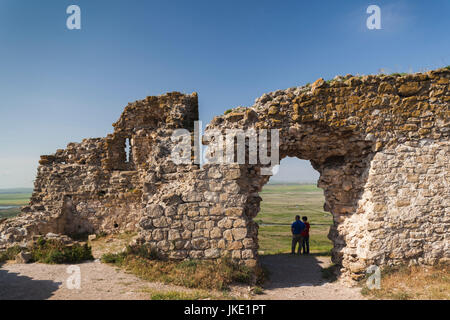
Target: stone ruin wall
<point x="380" y="144"/>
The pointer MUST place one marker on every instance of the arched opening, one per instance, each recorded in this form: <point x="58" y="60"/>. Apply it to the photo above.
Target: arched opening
<point x="342" y="160"/>
<point x="292" y="191"/>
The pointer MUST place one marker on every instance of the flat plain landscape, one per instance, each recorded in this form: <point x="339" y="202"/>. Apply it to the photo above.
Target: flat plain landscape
<point x="10" y="202"/>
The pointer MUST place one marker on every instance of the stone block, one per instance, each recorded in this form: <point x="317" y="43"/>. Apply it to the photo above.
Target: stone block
<point x="239" y="233"/>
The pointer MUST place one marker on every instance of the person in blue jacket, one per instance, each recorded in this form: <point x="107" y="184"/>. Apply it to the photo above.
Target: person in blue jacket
<point x="297" y="228"/>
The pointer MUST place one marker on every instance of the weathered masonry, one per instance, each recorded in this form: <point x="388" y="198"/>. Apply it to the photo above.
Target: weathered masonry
<point x="380" y="144"/>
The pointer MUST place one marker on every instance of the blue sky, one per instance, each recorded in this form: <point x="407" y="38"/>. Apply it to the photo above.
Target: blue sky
<point x="59" y="85"/>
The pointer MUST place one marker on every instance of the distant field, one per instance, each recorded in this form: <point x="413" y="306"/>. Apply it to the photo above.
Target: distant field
<point x="15" y="200"/>
<point x="280" y="205"/>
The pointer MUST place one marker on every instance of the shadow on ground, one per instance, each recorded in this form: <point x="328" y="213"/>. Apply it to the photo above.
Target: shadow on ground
<point x="287" y="271"/>
<point x="16" y="287"/>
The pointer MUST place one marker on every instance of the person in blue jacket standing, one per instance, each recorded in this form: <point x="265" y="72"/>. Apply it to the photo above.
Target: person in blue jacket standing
<point x="297" y="228"/>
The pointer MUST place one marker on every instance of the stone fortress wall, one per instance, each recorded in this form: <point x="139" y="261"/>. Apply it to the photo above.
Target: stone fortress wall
<point x="380" y="144"/>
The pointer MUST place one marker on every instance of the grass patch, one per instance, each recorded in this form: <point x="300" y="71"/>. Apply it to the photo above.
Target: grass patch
<point x="114" y="258"/>
<point x="399" y="74"/>
<point x="56" y="252"/>
<point x="14" y="199"/>
<point x="412" y="283"/>
<point x="228" y="111"/>
<point x="199" y="274"/>
<point x="258" y="290"/>
<point x="179" y="295"/>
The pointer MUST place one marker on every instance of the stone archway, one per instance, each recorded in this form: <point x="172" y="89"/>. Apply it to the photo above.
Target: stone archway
<point x="376" y="142"/>
<point x="343" y="161"/>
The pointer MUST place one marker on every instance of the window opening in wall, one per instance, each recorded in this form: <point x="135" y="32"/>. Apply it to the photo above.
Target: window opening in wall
<point x="128" y="150"/>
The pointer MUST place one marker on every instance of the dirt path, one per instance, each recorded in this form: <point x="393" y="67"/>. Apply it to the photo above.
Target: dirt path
<point x="300" y="278"/>
<point x="291" y="277"/>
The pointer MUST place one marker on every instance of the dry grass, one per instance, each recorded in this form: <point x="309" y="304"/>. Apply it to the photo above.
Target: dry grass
<point x="413" y="283"/>
<point x="198" y="279"/>
<point x="200" y="274"/>
<point x="201" y="279"/>
<point x="185" y="295"/>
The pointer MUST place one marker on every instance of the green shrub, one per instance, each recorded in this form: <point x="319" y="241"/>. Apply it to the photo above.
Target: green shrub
<point x="40" y="242"/>
<point x="258" y="290"/>
<point x="51" y="252"/>
<point x="52" y="256"/>
<point x="228" y="111"/>
<point x="56" y="252"/>
<point x="10" y="253"/>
